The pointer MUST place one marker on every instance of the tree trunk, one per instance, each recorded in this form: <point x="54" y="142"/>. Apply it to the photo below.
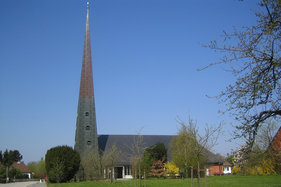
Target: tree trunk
<point x="139" y="176"/>
<point x="191" y="176"/>
<point x="7" y="174"/>
<point x="198" y="173"/>
<point x="144" y="182"/>
<point x="205" y="176"/>
<point x="135" y="177"/>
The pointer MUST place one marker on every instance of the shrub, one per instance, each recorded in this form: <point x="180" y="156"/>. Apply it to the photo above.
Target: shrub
<point x="235" y="170"/>
<point x="62" y="163"/>
<point x="171" y="169"/>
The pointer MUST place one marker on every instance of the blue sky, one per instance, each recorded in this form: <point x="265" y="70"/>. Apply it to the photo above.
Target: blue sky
<point x="145" y="59"/>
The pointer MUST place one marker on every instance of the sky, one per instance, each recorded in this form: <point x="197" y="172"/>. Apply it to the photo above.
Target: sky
<point x="145" y="56"/>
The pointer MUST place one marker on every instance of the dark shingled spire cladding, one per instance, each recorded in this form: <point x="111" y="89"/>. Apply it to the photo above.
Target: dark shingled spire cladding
<point x="86" y="138"/>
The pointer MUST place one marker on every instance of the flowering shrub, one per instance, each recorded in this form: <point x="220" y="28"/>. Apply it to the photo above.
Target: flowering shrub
<point x="235" y="170"/>
<point x="171" y="168"/>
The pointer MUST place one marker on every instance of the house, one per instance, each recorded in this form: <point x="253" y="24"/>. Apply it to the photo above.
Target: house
<point x="219" y="168"/>
<point x="126" y="144"/>
<point x="227" y="168"/>
<point x="23" y="168"/>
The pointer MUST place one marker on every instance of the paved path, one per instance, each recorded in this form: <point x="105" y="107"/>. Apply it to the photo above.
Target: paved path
<point x="24" y="184"/>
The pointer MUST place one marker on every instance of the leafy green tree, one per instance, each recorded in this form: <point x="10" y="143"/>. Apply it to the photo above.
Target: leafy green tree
<point x="253" y="54"/>
<point x="2" y="172"/>
<point x="1" y="157"/>
<point x="91" y="165"/>
<point x="189" y="148"/>
<point x="157" y="152"/>
<point x="153" y="153"/>
<point x="182" y="150"/>
<point x="38" y="169"/>
<point x="62" y="163"/>
<point x="8" y="158"/>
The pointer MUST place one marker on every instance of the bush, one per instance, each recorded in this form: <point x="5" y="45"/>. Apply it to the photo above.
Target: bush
<point x="171" y="169"/>
<point x="236" y="170"/>
<point x="62" y="163"/>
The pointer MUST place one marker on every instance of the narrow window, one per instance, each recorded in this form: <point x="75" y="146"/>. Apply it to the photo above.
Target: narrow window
<point x="88" y="142"/>
<point x="86" y="113"/>
<point x="87" y="127"/>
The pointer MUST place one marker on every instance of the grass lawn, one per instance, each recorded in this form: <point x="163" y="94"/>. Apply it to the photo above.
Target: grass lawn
<point x="215" y="181"/>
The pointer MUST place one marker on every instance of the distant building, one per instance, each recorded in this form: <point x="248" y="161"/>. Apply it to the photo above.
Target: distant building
<point x="23" y="168"/>
<point x="227" y="168"/>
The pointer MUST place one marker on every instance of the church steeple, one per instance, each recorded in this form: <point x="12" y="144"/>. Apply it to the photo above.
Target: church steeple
<point x="86" y="138"/>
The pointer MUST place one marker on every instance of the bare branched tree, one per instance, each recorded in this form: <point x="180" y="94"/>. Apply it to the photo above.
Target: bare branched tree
<point x="110" y="159"/>
<point x="137" y="149"/>
<point x="253" y="54"/>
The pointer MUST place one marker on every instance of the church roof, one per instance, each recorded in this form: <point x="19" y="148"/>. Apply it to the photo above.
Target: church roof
<point x="126" y="145"/>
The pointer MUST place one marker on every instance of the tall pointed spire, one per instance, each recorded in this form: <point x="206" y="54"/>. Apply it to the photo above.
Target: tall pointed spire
<point x="86" y="138"/>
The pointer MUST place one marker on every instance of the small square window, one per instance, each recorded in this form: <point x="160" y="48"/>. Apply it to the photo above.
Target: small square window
<point x="88" y="142"/>
<point x="88" y="127"/>
<point x="86" y="113"/>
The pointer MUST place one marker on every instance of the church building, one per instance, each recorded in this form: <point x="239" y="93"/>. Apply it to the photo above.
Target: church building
<point x="86" y="137"/>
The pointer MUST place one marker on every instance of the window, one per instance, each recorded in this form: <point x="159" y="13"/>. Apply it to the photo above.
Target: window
<point x="128" y="170"/>
<point x="88" y="127"/>
<point x="88" y="142"/>
<point x="86" y="113"/>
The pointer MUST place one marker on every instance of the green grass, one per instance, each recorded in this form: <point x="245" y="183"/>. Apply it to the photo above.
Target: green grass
<point x="216" y="181"/>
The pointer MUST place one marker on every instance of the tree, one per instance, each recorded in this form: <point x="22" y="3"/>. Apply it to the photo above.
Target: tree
<point x="157" y="152"/>
<point x="2" y="172"/>
<point x="157" y="169"/>
<point x="153" y="153"/>
<point x="262" y="159"/>
<point x="8" y="157"/>
<point x="136" y="157"/>
<point x="253" y="54"/>
<point x="181" y="150"/>
<point x="38" y="169"/>
<point x="266" y="134"/>
<point x="92" y="167"/>
<point x="62" y="163"/>
<point x="189" y="148"/>
<point x="109" y="160"/>
<point x="1" y="157"/>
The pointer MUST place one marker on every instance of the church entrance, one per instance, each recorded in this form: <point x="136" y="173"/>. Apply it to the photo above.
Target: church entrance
<point x="119" y="172"/>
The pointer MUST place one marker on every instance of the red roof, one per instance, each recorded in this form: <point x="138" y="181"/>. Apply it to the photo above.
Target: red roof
<point x="21" y="166"/>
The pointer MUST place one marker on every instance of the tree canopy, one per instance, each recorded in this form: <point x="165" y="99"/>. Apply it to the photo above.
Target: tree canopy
<point x="253" y="54"/>
<point x="9" y="157"/>
<point x="62" y="163"/>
